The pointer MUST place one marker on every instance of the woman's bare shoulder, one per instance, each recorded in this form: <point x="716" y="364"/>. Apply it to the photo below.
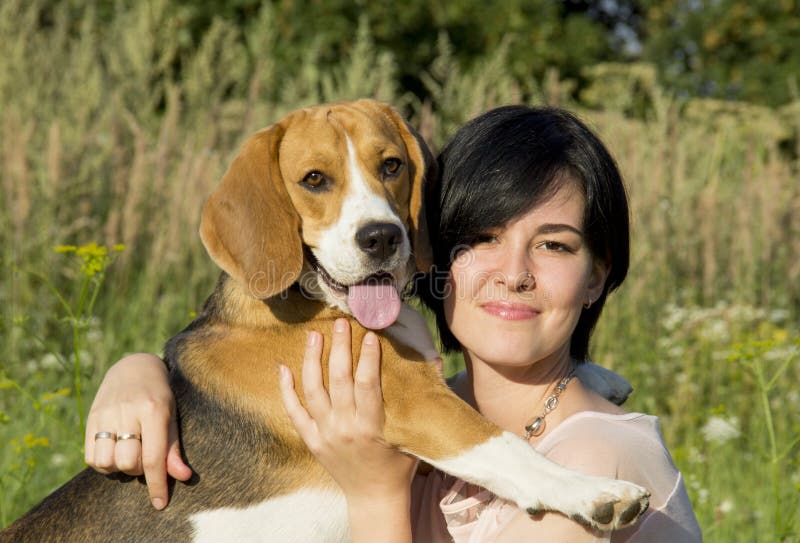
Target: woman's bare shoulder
<point x="587" y="399"/>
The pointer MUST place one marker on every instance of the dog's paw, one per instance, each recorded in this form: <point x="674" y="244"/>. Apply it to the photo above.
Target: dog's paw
<point x="605" y="505"/>
<point x="615" y="510"/>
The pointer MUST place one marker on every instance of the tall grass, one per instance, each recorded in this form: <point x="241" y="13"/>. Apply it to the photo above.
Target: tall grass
<point x="103" y="138"/>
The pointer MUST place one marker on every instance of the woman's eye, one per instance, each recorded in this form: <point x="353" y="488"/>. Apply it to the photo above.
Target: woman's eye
<point x="555" y="247"/>
<point x="391" y="167"/>
<point x="315" y="180"/>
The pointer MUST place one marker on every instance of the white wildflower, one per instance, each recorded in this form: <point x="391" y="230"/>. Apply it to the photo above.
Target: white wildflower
<point x="58" y="459"/>
<point x="674" y="317"/>
<point x="676" y="352"/>
<point x="695" y="456"/>
<point x="782" y="352"/>
<point x="715" y="331"/>
<point x="49" y="361"/>
<point x="778" y="316"/>
<point x="719" y="429"/>
<point x="94" y="335"/>
<point x="664" y="342"/>
<point x="746" y="313"/>
<point x="725" y="507"/>
<point x="86" y="357"/>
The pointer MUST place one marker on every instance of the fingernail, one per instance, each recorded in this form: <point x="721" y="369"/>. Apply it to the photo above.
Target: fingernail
<point x="158" y="503"/>
<point x="312" y="339"/>
<point x="340" y="325"/>
<point x="284" y="372"/>
<point x="370" y="338"/>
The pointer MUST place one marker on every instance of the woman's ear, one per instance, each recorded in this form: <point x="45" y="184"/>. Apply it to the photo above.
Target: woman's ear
<point x="597" y="279"/>
<point x="249" y="226"/>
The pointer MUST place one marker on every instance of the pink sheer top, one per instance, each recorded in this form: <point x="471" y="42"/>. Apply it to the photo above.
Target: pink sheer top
<point x="627" y="446"/>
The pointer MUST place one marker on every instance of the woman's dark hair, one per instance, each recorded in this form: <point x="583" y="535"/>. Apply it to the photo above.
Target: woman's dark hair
<point x="499" y="166"/>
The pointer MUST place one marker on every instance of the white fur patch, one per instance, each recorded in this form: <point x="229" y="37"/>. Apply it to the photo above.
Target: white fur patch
<point x="512" y="469"/>
<point x="338" y="251"/>
<point x="508" y="467"/>
<point x="305" y="515"/>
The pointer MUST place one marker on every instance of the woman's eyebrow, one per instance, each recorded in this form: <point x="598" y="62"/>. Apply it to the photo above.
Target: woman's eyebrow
<point x="553" y="228"/>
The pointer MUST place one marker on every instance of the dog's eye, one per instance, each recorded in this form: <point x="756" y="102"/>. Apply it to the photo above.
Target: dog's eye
<point x="391" y="167"/>
<point x="315" y="180"/>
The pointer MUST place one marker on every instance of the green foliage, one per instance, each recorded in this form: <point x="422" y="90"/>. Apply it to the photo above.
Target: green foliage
<point x="462" y="94"/>
<point x="47" y="405"/>
<point x="732" y="49"/>
<point x="758" y="356"/>
<point x="722" y="379"/>
<point x="739" y="49"/>
<point x="541" y="33"/>
<point x="631" y="89"/>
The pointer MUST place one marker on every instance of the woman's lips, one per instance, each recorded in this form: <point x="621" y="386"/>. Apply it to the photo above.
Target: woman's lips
<point x="510" y="311"/>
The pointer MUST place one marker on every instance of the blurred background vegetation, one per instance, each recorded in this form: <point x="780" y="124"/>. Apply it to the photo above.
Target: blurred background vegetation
<point x="118" y="118"/>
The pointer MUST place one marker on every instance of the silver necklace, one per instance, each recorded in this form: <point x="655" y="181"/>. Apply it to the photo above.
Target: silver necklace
<point x="536" y="426"/>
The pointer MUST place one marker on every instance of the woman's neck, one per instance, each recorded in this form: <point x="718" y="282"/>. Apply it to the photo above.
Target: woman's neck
<point x="511" y="396"/>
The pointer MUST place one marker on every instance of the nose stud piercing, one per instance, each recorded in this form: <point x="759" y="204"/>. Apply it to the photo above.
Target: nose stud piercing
<point x="528" y="282"/>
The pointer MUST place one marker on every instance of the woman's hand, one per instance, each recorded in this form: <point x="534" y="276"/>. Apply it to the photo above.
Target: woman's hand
<point x="135" y="398"/>
<point x="343" y="428"/>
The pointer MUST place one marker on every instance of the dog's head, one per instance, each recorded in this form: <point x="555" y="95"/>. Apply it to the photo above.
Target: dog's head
<point x="330" y="197"/>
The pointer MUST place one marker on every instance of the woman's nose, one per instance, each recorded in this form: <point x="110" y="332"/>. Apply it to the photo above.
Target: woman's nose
<point x="516" y="272"/>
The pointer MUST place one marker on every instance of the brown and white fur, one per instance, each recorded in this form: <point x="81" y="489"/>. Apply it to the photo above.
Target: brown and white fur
<point x="292" y="244"/>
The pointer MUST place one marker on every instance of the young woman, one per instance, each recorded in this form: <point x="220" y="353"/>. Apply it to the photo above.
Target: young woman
<point x="529" y="221"/>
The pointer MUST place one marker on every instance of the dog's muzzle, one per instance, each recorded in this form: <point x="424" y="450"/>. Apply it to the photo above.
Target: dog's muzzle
<point x="374" y="300"/>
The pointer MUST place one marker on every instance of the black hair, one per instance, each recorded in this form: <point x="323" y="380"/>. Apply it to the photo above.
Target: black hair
<point x="502" y="164"/>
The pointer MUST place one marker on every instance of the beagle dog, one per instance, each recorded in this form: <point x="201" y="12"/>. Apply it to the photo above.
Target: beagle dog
<point x="319" y="216"/>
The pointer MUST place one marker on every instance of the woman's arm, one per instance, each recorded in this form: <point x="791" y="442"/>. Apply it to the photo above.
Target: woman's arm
<point x="343" y="427"/>
<point x="135" y="398"/>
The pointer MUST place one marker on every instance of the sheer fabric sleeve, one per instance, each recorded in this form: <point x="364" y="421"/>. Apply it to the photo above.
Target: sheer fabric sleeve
<point x="587" y="453"/>
<point x="626" y="447"/>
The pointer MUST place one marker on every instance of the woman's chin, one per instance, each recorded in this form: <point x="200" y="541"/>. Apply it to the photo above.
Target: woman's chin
<point x="517" y="353"/>
<point x="507" y="356"/>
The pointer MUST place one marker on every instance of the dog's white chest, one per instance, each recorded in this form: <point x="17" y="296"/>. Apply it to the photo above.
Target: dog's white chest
<point x="305" y="515"/>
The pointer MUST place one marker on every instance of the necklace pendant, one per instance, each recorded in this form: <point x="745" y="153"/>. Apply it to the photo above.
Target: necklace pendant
<point x="536" y="427"/>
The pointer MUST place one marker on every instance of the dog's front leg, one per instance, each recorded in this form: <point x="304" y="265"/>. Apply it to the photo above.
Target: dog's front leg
<point x="444" y="431"/>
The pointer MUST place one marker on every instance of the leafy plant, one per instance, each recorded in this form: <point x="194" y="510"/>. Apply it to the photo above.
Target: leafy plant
<point x="759" y="358"/>
<point x="89" y="265"/>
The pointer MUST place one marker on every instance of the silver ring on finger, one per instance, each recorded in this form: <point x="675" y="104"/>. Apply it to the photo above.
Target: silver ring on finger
<point x="122" y="437"/>
<point x="105" y="435"/>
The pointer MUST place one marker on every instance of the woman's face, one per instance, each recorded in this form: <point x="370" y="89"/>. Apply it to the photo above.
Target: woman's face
<point x="497" y="311"/>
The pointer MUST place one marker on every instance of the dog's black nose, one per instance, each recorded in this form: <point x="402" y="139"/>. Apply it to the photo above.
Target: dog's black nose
<point x="379" y="239"/>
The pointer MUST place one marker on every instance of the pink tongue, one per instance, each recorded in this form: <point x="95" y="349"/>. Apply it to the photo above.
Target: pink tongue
<point x="375" y="305"/>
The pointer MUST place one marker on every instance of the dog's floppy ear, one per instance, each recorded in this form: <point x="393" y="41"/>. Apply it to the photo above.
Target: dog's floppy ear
<point x="423" y="167"/>
<point x="249" y="226"/>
